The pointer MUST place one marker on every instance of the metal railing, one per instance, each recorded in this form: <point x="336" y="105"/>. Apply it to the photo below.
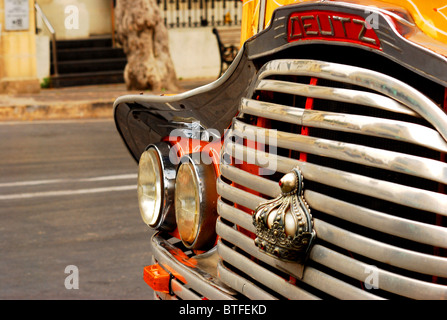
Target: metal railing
<point x="53" y="35"/>
<point x="200" y="13"/>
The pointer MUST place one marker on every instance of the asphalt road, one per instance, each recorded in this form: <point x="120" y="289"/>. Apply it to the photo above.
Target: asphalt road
<point x="68" y="199"/>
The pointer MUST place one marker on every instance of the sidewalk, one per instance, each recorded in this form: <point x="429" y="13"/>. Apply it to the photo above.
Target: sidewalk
<point x="73" y="102"/>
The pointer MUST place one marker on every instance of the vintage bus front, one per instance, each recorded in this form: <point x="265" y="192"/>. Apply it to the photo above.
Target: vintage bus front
<point x="313" y="168"/>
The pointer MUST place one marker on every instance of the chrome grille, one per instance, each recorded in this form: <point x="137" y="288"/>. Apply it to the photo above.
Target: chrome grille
<point x="374" y="179"/>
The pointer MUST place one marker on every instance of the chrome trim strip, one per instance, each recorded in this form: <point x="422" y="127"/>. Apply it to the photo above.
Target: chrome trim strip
<point x="365" y="125"/>
<point x="166" y="100"/>
<point x="408" y="229"/>
<point x="363" y="98"/>
<point x="198" y="279"/>
<point x="258" y="183"/>
<point x="389" y="191"/>
<point x="377" y="127"/>
<point x="335" y="287"/>
<point x="271" y="110"/>
<point x="241" y="284"/>
<point x="379" y="82"/>
<point x="182" y="292"/>
<point x="239" y="196"/>
<point x="387" y="281"/>
<point x="239" y="217"/>
<point x="379" y="158"/>
<point x="262" y="275"/>
<point x="312" y="276"/>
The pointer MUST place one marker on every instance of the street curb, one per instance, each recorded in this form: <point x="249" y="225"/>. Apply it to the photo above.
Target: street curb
<point x="73" y="103"/>
<point x="57" y="111"/>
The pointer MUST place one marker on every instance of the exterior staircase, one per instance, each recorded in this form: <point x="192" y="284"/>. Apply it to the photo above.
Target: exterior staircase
<point x="88" y="62"/>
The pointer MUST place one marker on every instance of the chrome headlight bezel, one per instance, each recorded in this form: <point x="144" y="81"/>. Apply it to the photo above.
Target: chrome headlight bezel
<point x="164" y="214"/>
<point x="203" y="175"/>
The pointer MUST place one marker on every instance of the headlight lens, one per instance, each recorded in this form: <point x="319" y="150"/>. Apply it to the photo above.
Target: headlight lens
<point x="149" y="187"/>
<point x="195" y="203"/>
<point x="156" y="177"/>
<point x="187" y="203"/>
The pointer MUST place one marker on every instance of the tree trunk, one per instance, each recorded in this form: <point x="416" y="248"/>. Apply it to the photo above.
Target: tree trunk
<point x="144" y="38"/>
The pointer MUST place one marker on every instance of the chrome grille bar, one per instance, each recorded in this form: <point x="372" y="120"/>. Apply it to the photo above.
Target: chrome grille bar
<point x="388" y="281"/>
<point x="260" y="184"/>
<point x="399" y="257"/>
<point x="262" y="275"/>
<point x="246" y="244"/>
<point x="241" y="285"/>
<point x="404" y="249"/>
<point x="376" y="81"/>
<point x="342" y="95"/>
<point x="313" y="277"/>
<point x="377" y="127"/>
<point x="235" y="215"/>
<point x="404" y="195"/>
<point x="379" y="158"/>
<point x="402" y="258"/>
<point x="404" y="228"/>
<point x="408" y="229"/>
<point x="238" y="196"/>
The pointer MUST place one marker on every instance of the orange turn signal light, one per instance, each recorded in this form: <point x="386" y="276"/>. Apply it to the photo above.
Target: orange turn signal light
<point x="159" y="279"/>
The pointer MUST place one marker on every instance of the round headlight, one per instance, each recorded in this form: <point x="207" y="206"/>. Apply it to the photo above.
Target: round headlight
<point x="156" y="178"/>
<point x="195" y="203"/>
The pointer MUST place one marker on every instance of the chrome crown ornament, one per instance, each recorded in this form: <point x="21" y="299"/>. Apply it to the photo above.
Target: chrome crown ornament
<point x="284" y="225"/>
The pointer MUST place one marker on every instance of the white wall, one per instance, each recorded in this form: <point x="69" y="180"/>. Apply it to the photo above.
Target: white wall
<point x="43" y="57"/>
<point x="194" y="53"/>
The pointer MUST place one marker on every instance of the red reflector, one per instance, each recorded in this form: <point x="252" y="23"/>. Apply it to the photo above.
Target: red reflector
<point x="332" y="26"/>
<point x="158" y="279"/>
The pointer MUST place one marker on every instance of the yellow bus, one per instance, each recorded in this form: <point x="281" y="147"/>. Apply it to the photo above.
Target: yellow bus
<point x="313" y="168"/>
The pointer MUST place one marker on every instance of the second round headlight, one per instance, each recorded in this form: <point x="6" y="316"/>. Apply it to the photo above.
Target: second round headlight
<point x="195" y="202"/>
